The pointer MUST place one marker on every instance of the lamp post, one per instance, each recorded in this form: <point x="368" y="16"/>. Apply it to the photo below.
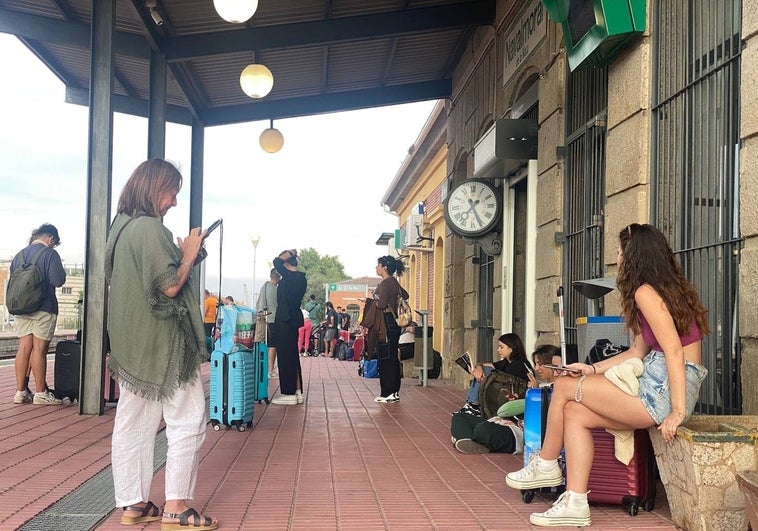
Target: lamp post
<point x="254" y="240"/>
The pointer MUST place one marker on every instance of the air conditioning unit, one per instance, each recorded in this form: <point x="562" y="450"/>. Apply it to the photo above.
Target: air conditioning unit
<point x="414" y="233"/>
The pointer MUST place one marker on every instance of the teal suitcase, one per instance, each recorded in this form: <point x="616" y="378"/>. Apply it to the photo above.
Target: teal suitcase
<point x="232" y="388"/>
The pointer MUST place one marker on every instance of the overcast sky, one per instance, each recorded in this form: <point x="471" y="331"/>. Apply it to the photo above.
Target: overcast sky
<point x="322" y="190"/>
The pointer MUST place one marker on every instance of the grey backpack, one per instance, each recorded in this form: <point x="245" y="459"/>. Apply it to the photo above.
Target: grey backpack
<point x="26" y="286"/>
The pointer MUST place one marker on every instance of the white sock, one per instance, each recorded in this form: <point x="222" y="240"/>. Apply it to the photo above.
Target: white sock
<point x="578" y="496"/>
<point x="544" y="463"/>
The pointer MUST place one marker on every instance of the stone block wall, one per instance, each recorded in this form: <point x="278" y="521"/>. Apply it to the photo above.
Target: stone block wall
<point x="749" y="209"/>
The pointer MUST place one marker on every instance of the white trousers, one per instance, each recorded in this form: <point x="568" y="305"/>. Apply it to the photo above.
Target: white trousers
<point x="133" y="443"/>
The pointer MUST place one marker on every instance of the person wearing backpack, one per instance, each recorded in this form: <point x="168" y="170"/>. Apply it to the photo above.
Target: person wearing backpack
<point x="386" y="300"/>
<point x="314" y="311"/>
<point x="36" y="327"/>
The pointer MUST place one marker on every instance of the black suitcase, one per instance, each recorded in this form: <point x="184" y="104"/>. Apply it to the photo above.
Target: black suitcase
<point x="68" y="356"/>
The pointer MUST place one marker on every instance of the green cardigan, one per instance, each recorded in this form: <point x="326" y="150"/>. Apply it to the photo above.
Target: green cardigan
<point x="157" y="342"/>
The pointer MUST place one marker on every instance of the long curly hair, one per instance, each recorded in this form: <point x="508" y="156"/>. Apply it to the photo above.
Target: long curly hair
<point x="517" y="346"/>
<point x="648" y="259"/>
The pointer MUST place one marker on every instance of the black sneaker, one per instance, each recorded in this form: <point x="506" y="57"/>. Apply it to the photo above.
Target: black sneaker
<point x="467" y="446"/>
<point x="471" y="409"/>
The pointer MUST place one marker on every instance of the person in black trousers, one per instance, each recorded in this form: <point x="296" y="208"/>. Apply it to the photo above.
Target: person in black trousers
<point x="289" y="318"/>
<point x="388" y="356"/>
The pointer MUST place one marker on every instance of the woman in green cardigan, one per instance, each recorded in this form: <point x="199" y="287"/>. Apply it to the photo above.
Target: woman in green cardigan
<point x="157" y="345"/>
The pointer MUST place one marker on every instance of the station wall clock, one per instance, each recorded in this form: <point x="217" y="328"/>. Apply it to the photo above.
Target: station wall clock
<point x="473" y="208"/>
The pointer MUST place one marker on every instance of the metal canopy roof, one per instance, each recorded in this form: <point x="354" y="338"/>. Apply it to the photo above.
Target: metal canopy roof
<point x="325" y="55"/>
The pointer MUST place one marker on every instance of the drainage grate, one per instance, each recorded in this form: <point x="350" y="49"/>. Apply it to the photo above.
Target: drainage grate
<point x="92" y="502"/>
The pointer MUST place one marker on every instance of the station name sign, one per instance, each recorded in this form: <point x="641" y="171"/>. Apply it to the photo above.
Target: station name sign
<point x="523" y="37"/>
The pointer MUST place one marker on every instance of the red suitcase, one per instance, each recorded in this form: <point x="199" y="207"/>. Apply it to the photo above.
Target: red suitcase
<point x="611" y="481"/>
<point x="358" y="348"/>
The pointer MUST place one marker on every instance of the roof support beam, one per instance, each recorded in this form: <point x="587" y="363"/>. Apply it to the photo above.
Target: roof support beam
<point x="132" y="106"/>
<point x="64" y="32"/>
<point x="156" y="120"/>
<point x="322" y="32"/>
<point x="342" y="101"/>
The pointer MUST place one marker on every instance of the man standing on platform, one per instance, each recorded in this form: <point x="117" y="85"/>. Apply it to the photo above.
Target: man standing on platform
<point x="209" y="320"/>
<point x="36" y="329"/>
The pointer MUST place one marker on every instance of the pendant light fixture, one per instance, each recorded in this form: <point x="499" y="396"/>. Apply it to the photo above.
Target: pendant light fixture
<point x="256" y="79"/>
<point x="271" y="139"/>
<point x="235" y="11"/>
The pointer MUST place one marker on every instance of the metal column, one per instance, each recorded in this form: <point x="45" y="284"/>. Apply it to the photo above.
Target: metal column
<point x="196" y="188"/>
<point x="99" y="166"/>
<point x="156" y="121"/>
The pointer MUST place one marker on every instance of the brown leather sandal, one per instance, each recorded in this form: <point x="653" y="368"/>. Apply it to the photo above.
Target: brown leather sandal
<point x="148" y="513"/>
<point x="204" y="523"/>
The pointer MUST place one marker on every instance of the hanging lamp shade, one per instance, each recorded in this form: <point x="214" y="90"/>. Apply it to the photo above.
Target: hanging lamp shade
<point x="256" y="80"/>
<point x="235" y="11"/>
<point x="271" y="139"/>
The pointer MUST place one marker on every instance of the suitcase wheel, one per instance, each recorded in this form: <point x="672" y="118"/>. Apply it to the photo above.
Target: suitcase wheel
<point x="649" y="505"/>
<point x="527" y="496"/>
<point x="216" y="426"/>
<point x="241" y="427"/>
<point x="634" y="509"/>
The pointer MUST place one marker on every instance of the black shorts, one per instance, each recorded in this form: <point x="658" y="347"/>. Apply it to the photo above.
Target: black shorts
<point x="272" y="335"/>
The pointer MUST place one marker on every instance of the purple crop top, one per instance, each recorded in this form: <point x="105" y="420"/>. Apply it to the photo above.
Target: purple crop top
<point x="649" y="339"/>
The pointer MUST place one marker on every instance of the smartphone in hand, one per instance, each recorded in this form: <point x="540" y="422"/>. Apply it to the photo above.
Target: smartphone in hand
<point x="562" y="368"/>
<point x="213" y="227"/>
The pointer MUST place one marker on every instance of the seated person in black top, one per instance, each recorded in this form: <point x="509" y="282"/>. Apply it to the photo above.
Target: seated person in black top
<point x="512" y="361"/>
<point x="472" y="434"/>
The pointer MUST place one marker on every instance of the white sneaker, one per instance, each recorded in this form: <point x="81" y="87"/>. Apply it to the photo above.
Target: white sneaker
<point x="23" y="397"/>
<point x="285" y="400"/>
<point x="536" y="475"/>
<point x="273" y="374"/>
<point x="566" y="511"/>
<point x="46" y="398"/>
<point x="299" y="397"/>
<point x="387" y="399"/>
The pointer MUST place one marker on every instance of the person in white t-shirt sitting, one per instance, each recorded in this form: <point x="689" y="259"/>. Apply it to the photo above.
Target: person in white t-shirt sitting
<point x="407" y="342"/>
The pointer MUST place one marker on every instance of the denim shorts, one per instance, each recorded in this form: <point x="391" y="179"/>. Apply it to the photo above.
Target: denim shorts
<point x="654" y="386"/>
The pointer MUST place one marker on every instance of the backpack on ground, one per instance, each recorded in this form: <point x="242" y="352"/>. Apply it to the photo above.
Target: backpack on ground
<point x="497" y="388"/>
<point x="26" y="286"/>
<point x="436" y="369"/>
<point x="340" y="350"/>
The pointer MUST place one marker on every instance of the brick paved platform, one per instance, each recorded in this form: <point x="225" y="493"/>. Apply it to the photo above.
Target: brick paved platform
<point x="338" y="462"/>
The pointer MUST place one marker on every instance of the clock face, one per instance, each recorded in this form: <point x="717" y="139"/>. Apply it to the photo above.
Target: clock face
<point x="473" y="208"/>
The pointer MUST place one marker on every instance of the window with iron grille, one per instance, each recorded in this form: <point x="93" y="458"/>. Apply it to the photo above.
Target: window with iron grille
<point x="695" y="174"/>
<point x="584" y="185"/>
<point x="484" y="324"/>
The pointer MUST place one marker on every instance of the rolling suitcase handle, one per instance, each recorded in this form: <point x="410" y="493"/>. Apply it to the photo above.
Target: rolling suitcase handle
<point x="562" y="325"/>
